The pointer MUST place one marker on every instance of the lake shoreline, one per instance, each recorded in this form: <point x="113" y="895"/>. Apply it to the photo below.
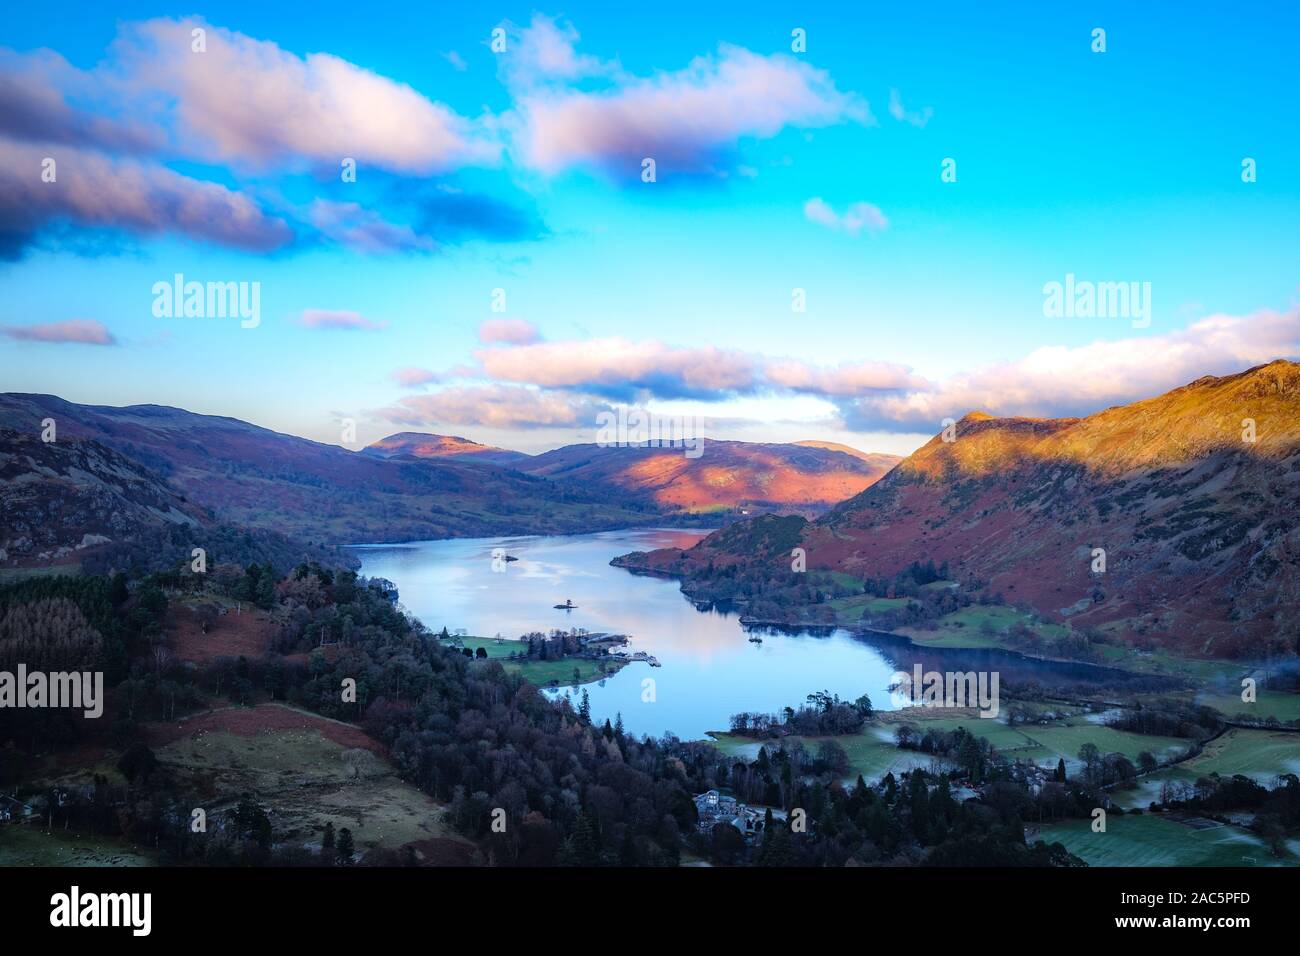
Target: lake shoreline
<point x="709" y="667"/>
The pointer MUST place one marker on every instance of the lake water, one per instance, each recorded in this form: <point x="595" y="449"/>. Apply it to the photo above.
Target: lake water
<point x="710" y="670"/>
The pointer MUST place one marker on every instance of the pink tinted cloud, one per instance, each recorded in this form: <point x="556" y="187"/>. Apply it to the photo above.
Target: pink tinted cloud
<point x="1060" y="381"/>
<point x="142" y="197"/>
<point x="363" y="230"/>
<point x="847" y="379"/>
<point x="546" y="50"/>
<point x="616" y="366"/>
<point x="82" y="331"/>
<point x="619" y="365"/>
<point x="251" y="101"/>
<point x="495" y="406"/>
<point x="331" y="319"/>
<point x="34" y="106"/>
<point x="684" y="120"/>
<point x="508" y="331"/>
<point x="412" y="376"/>
<point x="567" y="383"/>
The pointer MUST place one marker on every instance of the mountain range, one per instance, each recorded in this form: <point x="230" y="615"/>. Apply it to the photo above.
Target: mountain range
<point x="728" y="476"/>
<point x="134" y="464"/>
<point x="1175" y="517"/>
<point x="253" y="477"/>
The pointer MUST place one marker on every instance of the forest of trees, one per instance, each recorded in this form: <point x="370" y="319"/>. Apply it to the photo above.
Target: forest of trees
<point x="824" y="714"/>
<point x="476" y="738"/>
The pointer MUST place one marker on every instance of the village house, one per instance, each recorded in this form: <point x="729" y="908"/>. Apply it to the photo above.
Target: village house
<point x="713" y="808"/>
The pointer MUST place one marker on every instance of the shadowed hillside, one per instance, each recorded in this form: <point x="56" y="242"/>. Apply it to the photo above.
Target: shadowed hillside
<point x="254" y="477"/>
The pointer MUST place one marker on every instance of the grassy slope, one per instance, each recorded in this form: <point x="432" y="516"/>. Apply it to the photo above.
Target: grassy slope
<point x="307" y="780"/>
<point x="987" y="626"/>
<point x="1158" y="840"/>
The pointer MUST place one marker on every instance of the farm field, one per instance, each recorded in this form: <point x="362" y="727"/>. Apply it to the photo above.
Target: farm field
<point x="851" y="610"/>
<point x="982" y="626"/>
<point x="1046" y="743"/>
<point x="1269" y="703"/>
<point x="29" y="845"/>
<point x="1065" y="741"/>
<point x="1159" y="840"/>
<point x="1258" y="754"/>
<point x="873" y="753"/>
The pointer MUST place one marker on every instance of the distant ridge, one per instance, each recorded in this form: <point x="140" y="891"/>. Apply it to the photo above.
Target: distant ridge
<point x="253" y="477"/>
<point x="422" y="445"/>
<point x="729" y="476"/>
<point x="745" y="477"/>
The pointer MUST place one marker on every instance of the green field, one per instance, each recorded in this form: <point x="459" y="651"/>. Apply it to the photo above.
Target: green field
<point x="29" y="845"/>
<point x="1269" y="703"/>
<point x="873" y="753"/>
<point x="851" y="610"/>
<point x="1158" y="840"/>
<point x="544" y="673"/>
<point x="1048" y="743"/>
<point x="1261" y="754"/>
<point x="983" y="626"/>
<point x="1258" y="754"/>
<point x="1065" y="741"/>
<point x="994" y="729"/>
<point x="987" y="626"/>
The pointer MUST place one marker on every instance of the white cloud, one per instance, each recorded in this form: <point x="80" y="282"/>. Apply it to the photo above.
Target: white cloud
<point x="1060" y="381"/>
<point x="687" y="121"/>
<point x="858" y="216"/>
<point x="508" y="331"/>
<point x="897" y="111"/>
<point x="494" y="406"/>
<point x="254" y="103"/>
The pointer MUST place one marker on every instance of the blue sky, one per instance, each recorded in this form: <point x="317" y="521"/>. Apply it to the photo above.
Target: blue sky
<point x="520" y="170"/>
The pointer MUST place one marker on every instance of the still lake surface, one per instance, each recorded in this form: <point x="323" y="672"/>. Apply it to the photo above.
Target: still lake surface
<point x="710" y="669"/>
